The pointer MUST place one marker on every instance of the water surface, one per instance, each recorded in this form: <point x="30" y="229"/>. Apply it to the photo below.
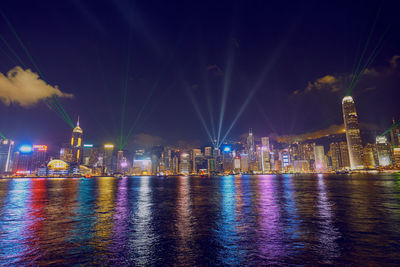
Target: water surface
<point x="232" y="220"/>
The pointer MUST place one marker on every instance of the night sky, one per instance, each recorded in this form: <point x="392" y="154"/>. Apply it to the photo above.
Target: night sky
<point x="293" y="58"/>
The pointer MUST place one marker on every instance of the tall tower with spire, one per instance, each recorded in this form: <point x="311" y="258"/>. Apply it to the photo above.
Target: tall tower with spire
<point x="76" y="145"/>
<point x="353" y="137"/>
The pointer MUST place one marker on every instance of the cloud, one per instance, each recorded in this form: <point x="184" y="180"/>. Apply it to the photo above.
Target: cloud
<point x="146" y="140"/>
<point x="393" y="61"/>
<point x="25" y="88"/>
<point x="215" y="69"/>
<point x="339" y="82"/>
<point x="328" y="83"/>
<point x="333" y="129"/>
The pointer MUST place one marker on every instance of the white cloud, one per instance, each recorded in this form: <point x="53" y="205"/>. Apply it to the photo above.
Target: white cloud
<point x="25" y="88"/>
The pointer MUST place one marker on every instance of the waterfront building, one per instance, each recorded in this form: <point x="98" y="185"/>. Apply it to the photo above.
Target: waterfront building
<point x="395" y="134"/>
<point x="265" y="144"/>
<point x="339" y="155"/>
<point x="396" y="157"/>
<point x="384" y="150"/>
<point x="319" y="156"/>
<point x="74" y="151"/>
<point x="301" y="166"/>
<point x="236" y="164"/>
<point x="39" y="157"/>
<point x="244" y="162"/>
<point x="23" y="160"/>
<point x="87" y="151"/>
<point x="368" y="154"/>
<point x="6" y="152"/>
<point x="353" y="137"/>
<point x="208" y="152"/>
<point x="184" y="164"/>
<point x="120" y="160"/>
<point x="211" y="166"/>
<point x="251" y="147"/>
<point x="108" y="154"/>
<point x="196" y="159"/>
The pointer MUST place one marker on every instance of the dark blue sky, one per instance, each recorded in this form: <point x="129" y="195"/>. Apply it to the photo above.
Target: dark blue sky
<point x="181" y="48"/>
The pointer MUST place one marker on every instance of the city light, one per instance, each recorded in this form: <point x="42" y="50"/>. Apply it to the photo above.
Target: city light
<point x="109" y="146"/>
<point x="25" y="149"/>
<point x="40" y="147"/>
<point x="88" y="145"/>
<point x="227" y="149"/>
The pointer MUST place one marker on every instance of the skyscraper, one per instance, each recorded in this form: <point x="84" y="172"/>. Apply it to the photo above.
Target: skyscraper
<point x="384" y="150"/>
<point x="108" y="154"/>
<point x="395" y="134"/>
<point x="319" y="155"/>
<point x="352" y="133"/>
<point x="339" y="155"/>
<point x="251" y="147"/>
<point x="6" y="152"/>
<point x="74" y="154"/>
<point x="39" y="157"/>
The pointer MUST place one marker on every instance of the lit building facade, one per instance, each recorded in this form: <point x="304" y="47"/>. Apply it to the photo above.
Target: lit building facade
<point x="319" y="155"/>
<point x="74" y="153"/>
<point x="384" y="150"/>
<point x="339" y="155"/>
<point x="6" y="152"/>
<point x="395" y="134"/>
<point x="353" y="137"/>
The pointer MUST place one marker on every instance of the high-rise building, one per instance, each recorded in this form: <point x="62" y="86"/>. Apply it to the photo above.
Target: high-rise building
<point x="39" y="157"/>
<point x="196" y="158"/>
<point x="184" y="164"/>
<point x="395" y="134"/>
<point x="384" y="150"/>
<point x="207" y="151"/>
<point x="23" y="159"/>
<point x="108" y="154"/>
<point x="244" y="162"/>
<point x="319" y="155"/>
<point x="396" y="157"/>
<point x="74" y="153"/>
<point x="339" y="155"/>
<point x="6" y="152"/>
<point x="251" y="146"/>
<point x="368" y="154"/>
<point x="353" y="137"/>
<point x="265" y="144"/>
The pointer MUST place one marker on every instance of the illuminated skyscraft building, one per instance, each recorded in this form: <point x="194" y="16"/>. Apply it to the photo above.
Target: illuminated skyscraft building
<point x="352" y="133"/>
<point x="74" y="152"/>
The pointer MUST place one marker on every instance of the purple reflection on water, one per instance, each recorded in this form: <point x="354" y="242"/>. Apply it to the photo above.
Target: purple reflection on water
<point x="328" y="233"/>
<point x="121" y="217"/>
<point x="270" y="235"/>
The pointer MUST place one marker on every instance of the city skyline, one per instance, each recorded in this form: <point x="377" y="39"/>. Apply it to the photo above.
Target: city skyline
<point x="346" y="151"/>
<point x="237" y="75"/>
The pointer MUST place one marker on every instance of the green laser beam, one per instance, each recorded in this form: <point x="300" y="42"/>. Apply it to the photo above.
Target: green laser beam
<point x="378" y="47"/>
<point x="12" y="51"/>
<point x="2" y="136"/>
<point x="125" y="91"/>
<point x="8" y="56"/>
<point x="365" y="47"/>
<point x="34" y="64"/>
<point x="396" y="124"/>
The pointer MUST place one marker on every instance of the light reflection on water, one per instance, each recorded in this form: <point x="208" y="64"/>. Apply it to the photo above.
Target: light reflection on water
<point x="232" y="220"/>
